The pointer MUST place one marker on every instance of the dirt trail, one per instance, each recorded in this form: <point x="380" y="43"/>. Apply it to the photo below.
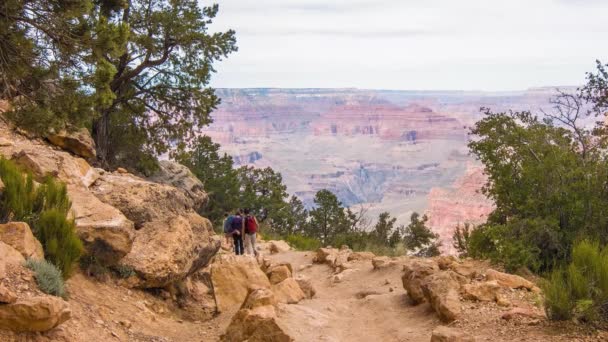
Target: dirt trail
<point x="339" y="313"/>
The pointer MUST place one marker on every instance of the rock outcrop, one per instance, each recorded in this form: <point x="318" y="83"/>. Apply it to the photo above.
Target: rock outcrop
<point x="510" y="280"/>
<point x="232" y="277"/>
<point x="414" y="274"/>
<point x="288" y="291"/>
<point x="486" y="291"/>
<point x="256" y="320"/>
<point x="19" y="236"/>
<point x="34" y="314"/>
<point x="441" y="290"/>
<point x="9" y="255"/>
<point x="106" y="233"/>
<point x="78" y="142"/>
<point x="181" y="177"/>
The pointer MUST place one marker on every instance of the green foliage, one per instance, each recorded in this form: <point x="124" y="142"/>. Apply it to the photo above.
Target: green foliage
<point x="461" y="239"/>
<point x="419" y="239"/>
<point x="157" y="95"/>
<point x="579" y="289"/>
<point x="45" y="208"/>
<point x="123" y="271"/>
<point x="48" y="277"/>
<point x="302" y="243"/>
<point x="58" y="237"/>
<point x="328" y="219"/>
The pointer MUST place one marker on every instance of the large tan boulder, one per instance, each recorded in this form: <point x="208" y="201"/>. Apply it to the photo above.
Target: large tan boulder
<point x="447" y="334"/>
<point x="288" y="291"/>
<point x="510" y="280"/>
<point x="9" y="255"/>
<point x="278" y="246"/>
<point x="441" y="290"/>
<point x="256" y="321"/>
<point x="326" y="255"/>
<point x="487" y="291"/>
<point x="232" y="276"/>
<point x="43" y="162"/>
<point x="168" y="250"/>
<point x="20" y="237"/>
<point x="414" y="272"/>
<point x="358" y="256"/>
<point x="140" y="200"/>
<point x="105" y="231"/>
<point x="278" y="273"/>
<point x="306" y="285"/>
<point x="77" y="141"/>
<point x="34" y="314"/>
<point x="6" y="295"/>
<point x="179" y="176"/>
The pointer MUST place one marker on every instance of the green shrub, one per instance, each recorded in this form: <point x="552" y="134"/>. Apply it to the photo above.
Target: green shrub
<point x="58" y="237"/>
<point x="45" y="208"/>
<point x="303" y="243"/>
<point x="47" y="276"/>
<point x="123" y="271"/>
<point x="580" y="289"/>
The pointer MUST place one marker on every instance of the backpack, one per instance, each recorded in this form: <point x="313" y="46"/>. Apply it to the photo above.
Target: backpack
<point x="228" y="224"/>
<point x="251" y="227"/>
<point x="236" y="223"/>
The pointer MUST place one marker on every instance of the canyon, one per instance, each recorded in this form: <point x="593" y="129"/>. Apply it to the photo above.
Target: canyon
<point x="380" y="150"/>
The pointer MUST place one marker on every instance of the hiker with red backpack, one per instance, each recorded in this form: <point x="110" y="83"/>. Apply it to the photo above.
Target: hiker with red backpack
<point x="251" y="228"/>
<point x="237" y="230"/>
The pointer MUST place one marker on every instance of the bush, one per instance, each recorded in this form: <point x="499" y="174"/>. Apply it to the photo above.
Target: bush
<point x="123" y="271"/>
<point x="48" y="277"/>
<point x="58" y="237"/>
<point x="45" y="208"/>
<point x="580" y="289"/>
<point x="303" y="243"/>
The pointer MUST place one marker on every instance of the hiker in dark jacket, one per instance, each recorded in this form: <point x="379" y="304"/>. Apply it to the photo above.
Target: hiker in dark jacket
<point x="228" y="229"/>
<point x="251" y="228"/>
<point x="238" y="229"/>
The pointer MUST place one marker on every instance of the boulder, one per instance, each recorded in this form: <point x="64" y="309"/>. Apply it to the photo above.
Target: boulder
<point x="382" y="262"/>
<point x="179" y="176"/>
<point x="466" y="269"/>
<point x="326" y="255"/>
<point x="20" y="237"/>
<point x="34" y="314"/>
<point x="445" y="261"/>
<point x="9" y="255"/>
<point x="256" y="321"/>
<point x="7" y="296"/>
<point x="288" y="291"/>
<point x="414" y="273"/>
<point x="105" y="231"/>
<point x="278" y="273"/>
<point x="232" y="276"/>
<point x="44" y="162"/>
<point x="78" y="142"/>
<point x="441" y="290"/>
<point x="278" y="246"/>
<point x="358" y="256"/>
<point x="447" y="334"/>
<point x="510" y="280"/>
<point x="168" y="250"/>
<point x="486" y="291"/>
<point x="341" y="260"/>
<point x="522" y="312"/>
<point x="306" y="285"/>
<point x="140" y="200"/>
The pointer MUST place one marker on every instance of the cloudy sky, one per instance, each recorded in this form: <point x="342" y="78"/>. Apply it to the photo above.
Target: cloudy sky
<point x="412" y="44"/>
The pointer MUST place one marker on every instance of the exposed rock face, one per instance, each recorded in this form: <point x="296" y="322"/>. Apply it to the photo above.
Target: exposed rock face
<point x="510" y="280"/>
<point x="9" y="255"/>
<point x="485" y="291"/>
<point x="232" y="276"/>
<point x="34" y="314"/>
<point x="279" y="246"/>
<point x="447" y="334"/>
<point x="7" y="296"/>
<point x="43" y="162"/>
<point x="356" y="256"/>
<point x="278" y="273"/>
<point x="414" y="273"/>
<point x="19" y="236"/>
<point x="106" y="232"/>
<point x="326" y="255"/>
<point x="256" y="320"/>
<point x="441" y="290"/>
<point x="168" y="250"/>
<point x="141" y="201"/>
<point x="288" y="291"/>
<point x="458" y="204"/>
<point x="181" y="177"/>
<point x="306" y="285"/>
<point x="78" y="142"/>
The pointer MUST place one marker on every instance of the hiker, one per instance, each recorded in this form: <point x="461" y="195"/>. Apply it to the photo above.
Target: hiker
<point x="237" y="231"/>
<point x="251" y="228"/>
<point x="228" y="228"/>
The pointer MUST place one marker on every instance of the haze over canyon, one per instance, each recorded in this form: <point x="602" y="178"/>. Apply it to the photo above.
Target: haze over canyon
<point x="383" y="150"/>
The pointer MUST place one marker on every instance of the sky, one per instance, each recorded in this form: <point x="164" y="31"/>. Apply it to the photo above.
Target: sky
<point x="411" y="44"/>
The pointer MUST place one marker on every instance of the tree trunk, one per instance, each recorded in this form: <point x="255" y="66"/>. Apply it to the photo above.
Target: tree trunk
<point x="101" y="137"/>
